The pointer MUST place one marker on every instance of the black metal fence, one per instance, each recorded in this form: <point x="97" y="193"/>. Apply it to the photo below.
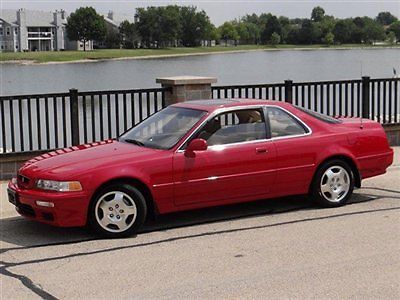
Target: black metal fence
<point x="376" y="99"/>
<point x="51" y="121"/>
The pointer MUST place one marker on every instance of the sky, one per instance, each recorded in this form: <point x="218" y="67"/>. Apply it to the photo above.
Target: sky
<point x="222" y="10"/>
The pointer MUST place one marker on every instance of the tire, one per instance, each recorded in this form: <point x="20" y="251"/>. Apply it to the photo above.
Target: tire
<point x="333" y="184"/>
<point x="118" y="210"/>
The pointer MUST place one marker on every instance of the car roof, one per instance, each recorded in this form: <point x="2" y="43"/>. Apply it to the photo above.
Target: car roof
<point x="213" y="104"/>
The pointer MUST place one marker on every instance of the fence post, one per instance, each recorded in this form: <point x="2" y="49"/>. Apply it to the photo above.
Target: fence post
<point x="288" y="91"/>
<point x="186" y="88"/>
<point x="73" y="101"/>
<point x="365" y="97"/>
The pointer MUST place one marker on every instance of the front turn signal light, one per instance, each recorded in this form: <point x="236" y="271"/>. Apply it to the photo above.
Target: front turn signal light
<point x="59" y="186"/>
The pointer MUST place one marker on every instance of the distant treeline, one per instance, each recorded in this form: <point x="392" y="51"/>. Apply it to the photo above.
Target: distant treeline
<point x="172" y="25"/>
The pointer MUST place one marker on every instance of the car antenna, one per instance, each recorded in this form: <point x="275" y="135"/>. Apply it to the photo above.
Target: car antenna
<point x="361" y="71"/>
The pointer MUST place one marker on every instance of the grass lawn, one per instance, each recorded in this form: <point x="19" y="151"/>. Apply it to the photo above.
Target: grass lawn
<point x="64" y="56"/>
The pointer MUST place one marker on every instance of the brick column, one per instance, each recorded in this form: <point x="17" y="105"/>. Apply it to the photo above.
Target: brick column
<point x="186" y="88"/>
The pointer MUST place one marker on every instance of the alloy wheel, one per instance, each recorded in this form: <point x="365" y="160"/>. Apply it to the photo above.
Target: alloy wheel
<point x="115" y="211"/>
<point x="335" y="184"/>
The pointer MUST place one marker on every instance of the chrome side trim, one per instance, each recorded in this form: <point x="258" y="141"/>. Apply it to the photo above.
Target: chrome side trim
<point x="227" y="176"/>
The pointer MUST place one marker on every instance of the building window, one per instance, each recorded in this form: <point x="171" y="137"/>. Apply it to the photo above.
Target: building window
<point x="1" y="30"/>
<point x="16" y="30"/>
<point x="8" y="31"/>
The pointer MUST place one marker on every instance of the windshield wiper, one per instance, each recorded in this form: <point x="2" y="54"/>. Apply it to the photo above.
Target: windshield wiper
<point x="136" y="142"/>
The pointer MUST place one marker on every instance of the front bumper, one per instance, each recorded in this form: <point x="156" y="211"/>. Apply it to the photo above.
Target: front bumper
<point x="70" y="208"/>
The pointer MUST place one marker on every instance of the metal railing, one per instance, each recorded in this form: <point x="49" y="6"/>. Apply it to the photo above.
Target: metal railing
<point x="376" y="99"/>
<point x="58" y="120"/>
<point x="51" y="121"/>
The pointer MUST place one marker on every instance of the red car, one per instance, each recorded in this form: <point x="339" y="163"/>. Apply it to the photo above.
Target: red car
<point x="199" y="154"/>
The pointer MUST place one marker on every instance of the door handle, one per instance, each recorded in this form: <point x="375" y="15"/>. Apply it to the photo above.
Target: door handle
<point x="261" y="150"/>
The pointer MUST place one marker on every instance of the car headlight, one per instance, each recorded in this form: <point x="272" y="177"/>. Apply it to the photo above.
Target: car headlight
<point x="59" y="186"/>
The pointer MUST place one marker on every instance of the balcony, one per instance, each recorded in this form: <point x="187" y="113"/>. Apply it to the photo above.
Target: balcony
<point x="40" y="35"/>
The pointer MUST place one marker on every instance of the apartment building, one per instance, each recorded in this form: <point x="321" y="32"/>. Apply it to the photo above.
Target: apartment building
<point x="29" y="30"/>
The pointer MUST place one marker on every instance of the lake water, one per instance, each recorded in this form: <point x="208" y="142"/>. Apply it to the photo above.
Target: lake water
<point x="229" y="68"/>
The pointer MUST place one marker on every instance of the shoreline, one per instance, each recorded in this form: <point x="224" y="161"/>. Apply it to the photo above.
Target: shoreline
<point x="200" y="53"/>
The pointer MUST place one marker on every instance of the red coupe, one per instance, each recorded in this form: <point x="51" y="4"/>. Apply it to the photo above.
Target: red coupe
<point x="199" y="154"/>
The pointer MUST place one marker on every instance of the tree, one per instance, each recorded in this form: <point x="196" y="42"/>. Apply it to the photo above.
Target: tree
<point x="194" y="26"/>
<point x="285" y="28"/>
<point x="128" y="34"/>
<point x="275" y="39"/>
<point x="317" y="14"/>
<point x="391" y="37"/>
<point x="84" y="25"/>
<point x="253" y="18"/>
<point x="272" y="25"/>
<point x="329" y="38"/>
<point x="372" y="31"/>
<point x="112" y="39"/>
<point x="395" y="27"/>
<point x="343" y="31"/>
<point x="212" y="33"/>
<point x="228" y="32"/>
<point x="249" y="33"/>
<point x="170" y="24"/>
<point x="148" y="25"/>
<point x="309" y="32"/>
<point x="327" y="24"/>
<point x="357" y="35"/>
<point x="293" y="35"/>
<point x="385" y="18"/>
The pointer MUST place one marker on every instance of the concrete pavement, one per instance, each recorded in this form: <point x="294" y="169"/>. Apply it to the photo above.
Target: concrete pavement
<point x="280" y="248"/>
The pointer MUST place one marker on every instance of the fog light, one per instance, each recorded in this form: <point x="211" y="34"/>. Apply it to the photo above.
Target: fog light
<point x="44" y="203"/>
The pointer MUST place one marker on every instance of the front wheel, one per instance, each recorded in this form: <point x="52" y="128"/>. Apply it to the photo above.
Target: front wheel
<point x="117" y="211"/>
<point x="333" y="184"/>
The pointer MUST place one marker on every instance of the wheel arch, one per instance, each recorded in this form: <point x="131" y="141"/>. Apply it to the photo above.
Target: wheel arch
<point x="152" y="208"/>
<point x="349" y="160"/>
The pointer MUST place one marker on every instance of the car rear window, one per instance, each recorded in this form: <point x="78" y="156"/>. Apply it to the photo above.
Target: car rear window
<point x="321" y="117"/>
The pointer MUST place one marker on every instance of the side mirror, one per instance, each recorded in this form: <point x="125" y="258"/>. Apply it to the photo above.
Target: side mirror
<point x="197" y="145"/>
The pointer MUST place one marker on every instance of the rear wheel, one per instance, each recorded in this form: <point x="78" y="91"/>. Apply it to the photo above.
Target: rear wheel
<point x="118" y="210"/>
<point x="333" y="184"/>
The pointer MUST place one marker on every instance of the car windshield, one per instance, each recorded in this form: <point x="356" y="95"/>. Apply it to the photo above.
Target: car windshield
<point x="163" y="129"/>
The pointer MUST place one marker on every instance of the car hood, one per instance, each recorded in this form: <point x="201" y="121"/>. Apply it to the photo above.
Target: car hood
<point x="65" y="162"/>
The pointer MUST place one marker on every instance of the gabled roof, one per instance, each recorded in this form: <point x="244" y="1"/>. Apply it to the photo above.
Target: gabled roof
<point x="116" y="18"/>
<point x="37" y="18"/>
<point x="9" y="16"/>
<point x="112" y="22"/>
<point x="33" y="18"/>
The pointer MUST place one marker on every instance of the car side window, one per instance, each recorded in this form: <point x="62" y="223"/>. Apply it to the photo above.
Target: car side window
<point x="234" y="127"/>
<point x="283" y="124"/>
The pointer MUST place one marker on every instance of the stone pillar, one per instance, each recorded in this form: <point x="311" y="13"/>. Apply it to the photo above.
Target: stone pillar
<point x="58" y="38"/>
<point x="186" y="88"/>
<point x="23" y="30"/>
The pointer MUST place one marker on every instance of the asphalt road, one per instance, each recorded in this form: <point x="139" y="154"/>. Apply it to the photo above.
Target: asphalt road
<point x="281" y="248"/>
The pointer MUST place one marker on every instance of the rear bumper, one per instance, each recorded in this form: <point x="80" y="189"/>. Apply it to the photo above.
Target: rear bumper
<point x="373" y="165"/>
<point x="70" y="209"/>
